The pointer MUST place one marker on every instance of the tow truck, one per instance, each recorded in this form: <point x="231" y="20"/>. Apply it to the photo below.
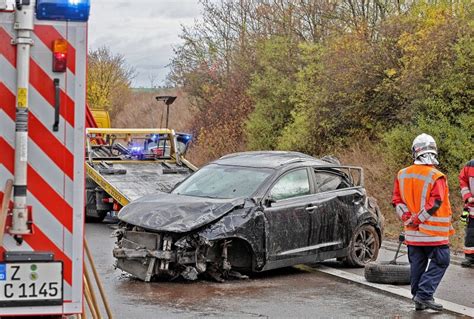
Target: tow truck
<point x="125" y="164"/>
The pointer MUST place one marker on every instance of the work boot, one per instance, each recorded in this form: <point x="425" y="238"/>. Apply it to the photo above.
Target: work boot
<point x="467" y="263"/>
<point x="418" y="306"/>
<point x="428" y="304"/>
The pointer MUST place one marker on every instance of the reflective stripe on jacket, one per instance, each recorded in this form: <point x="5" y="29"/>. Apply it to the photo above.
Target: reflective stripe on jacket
<point x="416" y="183"/>
<point x="466" y="182"/>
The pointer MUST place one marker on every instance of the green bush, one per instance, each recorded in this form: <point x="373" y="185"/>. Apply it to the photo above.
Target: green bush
<point x="455" y="143"/>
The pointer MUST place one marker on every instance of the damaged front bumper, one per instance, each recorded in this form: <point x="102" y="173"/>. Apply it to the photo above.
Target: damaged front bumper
<point x="149" y="256"/>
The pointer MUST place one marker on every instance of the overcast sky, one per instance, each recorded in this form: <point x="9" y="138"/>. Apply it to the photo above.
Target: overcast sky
<point x="144" y="31"/>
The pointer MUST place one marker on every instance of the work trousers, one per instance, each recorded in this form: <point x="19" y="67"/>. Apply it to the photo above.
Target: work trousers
<point x="469" y="239"/>
<point x="427" y="267"/>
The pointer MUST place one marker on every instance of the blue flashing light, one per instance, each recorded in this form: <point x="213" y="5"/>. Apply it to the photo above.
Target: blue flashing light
<point x="185" y="138"/>
<point x="136" y="150"/>
<point x="63" y="10"/>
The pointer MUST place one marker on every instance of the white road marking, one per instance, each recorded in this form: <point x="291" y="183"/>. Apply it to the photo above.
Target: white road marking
<point x="395" y="290"/>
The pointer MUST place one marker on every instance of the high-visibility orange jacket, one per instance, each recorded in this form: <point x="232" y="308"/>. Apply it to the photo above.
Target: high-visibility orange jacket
<point x="466" y="181"/>
<point x="416" y="184"/>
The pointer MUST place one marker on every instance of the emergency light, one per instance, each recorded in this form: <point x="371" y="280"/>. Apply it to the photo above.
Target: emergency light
<point x="63" y="10"/>
<point x="59" y="55"/>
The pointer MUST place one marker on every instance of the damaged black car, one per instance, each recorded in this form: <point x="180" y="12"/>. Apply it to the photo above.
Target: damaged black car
<point x="251" y="212"/>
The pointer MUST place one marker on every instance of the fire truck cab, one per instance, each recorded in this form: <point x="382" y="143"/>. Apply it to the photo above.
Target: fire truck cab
<point x="43" y="51"/>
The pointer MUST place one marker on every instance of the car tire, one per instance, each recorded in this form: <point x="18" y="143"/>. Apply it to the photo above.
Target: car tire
<point x="364" y="246"/>
<point x="387" y="273"/>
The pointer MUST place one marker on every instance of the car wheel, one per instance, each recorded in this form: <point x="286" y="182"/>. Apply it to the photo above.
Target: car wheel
<point x="386" y="273"/>
<point x="364" y="246"/>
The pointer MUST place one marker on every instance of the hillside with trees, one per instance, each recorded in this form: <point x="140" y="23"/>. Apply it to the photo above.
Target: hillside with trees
<point x="358" y="79"/>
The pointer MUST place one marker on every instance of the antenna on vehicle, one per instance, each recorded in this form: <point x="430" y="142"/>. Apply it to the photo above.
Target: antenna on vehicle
<point x="168" y="100"/>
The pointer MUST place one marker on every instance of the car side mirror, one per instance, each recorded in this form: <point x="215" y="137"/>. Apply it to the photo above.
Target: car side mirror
<point x="267" y="202"/>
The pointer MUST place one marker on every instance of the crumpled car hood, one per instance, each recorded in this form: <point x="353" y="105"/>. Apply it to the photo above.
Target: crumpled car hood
<point x="176" y="213"/>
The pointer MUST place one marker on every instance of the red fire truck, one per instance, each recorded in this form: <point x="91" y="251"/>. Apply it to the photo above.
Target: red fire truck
<point x="43" y="51"/>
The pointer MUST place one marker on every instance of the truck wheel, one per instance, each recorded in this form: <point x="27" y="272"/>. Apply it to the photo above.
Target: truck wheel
<point x="386" y="273"/>
<point x="364" y="246"/>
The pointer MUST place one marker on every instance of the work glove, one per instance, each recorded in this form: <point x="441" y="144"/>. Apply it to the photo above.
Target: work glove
<point x="415" y="220"/>
<point x="406" y="216"/>
<point x="464" y="217"/>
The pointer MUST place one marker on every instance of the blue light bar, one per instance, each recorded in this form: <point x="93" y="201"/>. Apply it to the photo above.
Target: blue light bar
<point x="184" y="138"/>
<point x="63" y="10"/>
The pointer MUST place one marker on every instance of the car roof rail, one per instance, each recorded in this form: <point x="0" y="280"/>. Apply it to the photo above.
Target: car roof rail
<point x="293" y="160"/>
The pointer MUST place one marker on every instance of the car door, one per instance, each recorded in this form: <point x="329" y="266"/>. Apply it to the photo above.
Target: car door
<point x="288" y="223"/>
<point x="332" y="213"/>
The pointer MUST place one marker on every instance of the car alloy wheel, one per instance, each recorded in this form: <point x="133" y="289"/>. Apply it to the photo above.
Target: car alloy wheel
<point x="364" y="246"/>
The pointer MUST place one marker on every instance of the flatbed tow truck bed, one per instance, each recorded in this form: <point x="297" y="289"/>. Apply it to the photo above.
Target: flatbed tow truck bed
<point x="119" y="171"/>
<point x="126" y="182"/>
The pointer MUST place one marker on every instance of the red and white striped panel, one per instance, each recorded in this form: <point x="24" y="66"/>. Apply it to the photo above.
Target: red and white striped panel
<point x="55" y="159"/>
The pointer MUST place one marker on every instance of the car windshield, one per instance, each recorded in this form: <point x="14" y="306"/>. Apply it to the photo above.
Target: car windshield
<point x="219" y="181"/>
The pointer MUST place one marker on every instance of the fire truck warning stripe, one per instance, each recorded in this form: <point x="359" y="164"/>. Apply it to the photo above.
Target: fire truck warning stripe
<point x="42" y="54"/>
<point x="47" y="34"/>
<point x="39" y="107"/>
<point x="40" y="80"/>
<point x="51" y="200"/>
<point x="8" y="101"/>
<point x="6" y="157"/>
<point x="40" y="242"/>
<point x="8" y="51"/>
<point x="51" y="173"/>
<point x="51" y="147"/>
<point x="43" y="137"/>
<point x="45" y="86"/>
<point x="45" y="220"/>
<point x="9" y="244"/>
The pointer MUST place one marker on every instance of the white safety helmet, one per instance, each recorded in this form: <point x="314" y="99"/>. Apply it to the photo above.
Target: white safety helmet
<point x="423" y="144"/>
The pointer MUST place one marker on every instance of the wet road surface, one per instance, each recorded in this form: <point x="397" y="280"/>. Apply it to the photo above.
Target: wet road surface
<point x="457" y="285"/>
<point x="284" y="293"/>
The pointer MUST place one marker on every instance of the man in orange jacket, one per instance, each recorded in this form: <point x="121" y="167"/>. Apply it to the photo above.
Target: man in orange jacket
<point x="466" y="181"/>
<point x="421" y="200"/>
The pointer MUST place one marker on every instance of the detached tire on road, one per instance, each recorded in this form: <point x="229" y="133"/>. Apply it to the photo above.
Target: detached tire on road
<point x="386" y="273"/>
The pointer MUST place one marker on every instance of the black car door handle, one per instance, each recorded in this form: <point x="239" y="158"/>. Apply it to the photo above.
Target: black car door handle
<point x="311" y="207"/>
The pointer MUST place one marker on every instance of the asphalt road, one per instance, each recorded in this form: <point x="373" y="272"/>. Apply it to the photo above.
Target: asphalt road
<point x="284" y="293"/>
<point x="457" y="285"/>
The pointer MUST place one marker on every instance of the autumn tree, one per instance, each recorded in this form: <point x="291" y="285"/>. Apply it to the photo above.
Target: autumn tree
<point x="319" y="75"/>
<point x="108" y="80"/>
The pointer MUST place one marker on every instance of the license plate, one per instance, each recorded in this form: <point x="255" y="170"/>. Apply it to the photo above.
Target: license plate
<point x="31" y="284"/>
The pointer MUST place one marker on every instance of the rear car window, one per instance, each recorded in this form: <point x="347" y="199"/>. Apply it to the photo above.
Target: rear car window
<point x="292" y="184"/>
<point x="327" y="181"/>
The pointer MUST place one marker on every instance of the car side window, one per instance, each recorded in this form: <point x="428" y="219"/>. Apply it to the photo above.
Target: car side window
<point x="292" y="184"/>
<point x="326" y="181"/>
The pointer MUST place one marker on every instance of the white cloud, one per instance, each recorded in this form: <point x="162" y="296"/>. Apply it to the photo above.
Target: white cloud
<point x="144" y="31"/>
